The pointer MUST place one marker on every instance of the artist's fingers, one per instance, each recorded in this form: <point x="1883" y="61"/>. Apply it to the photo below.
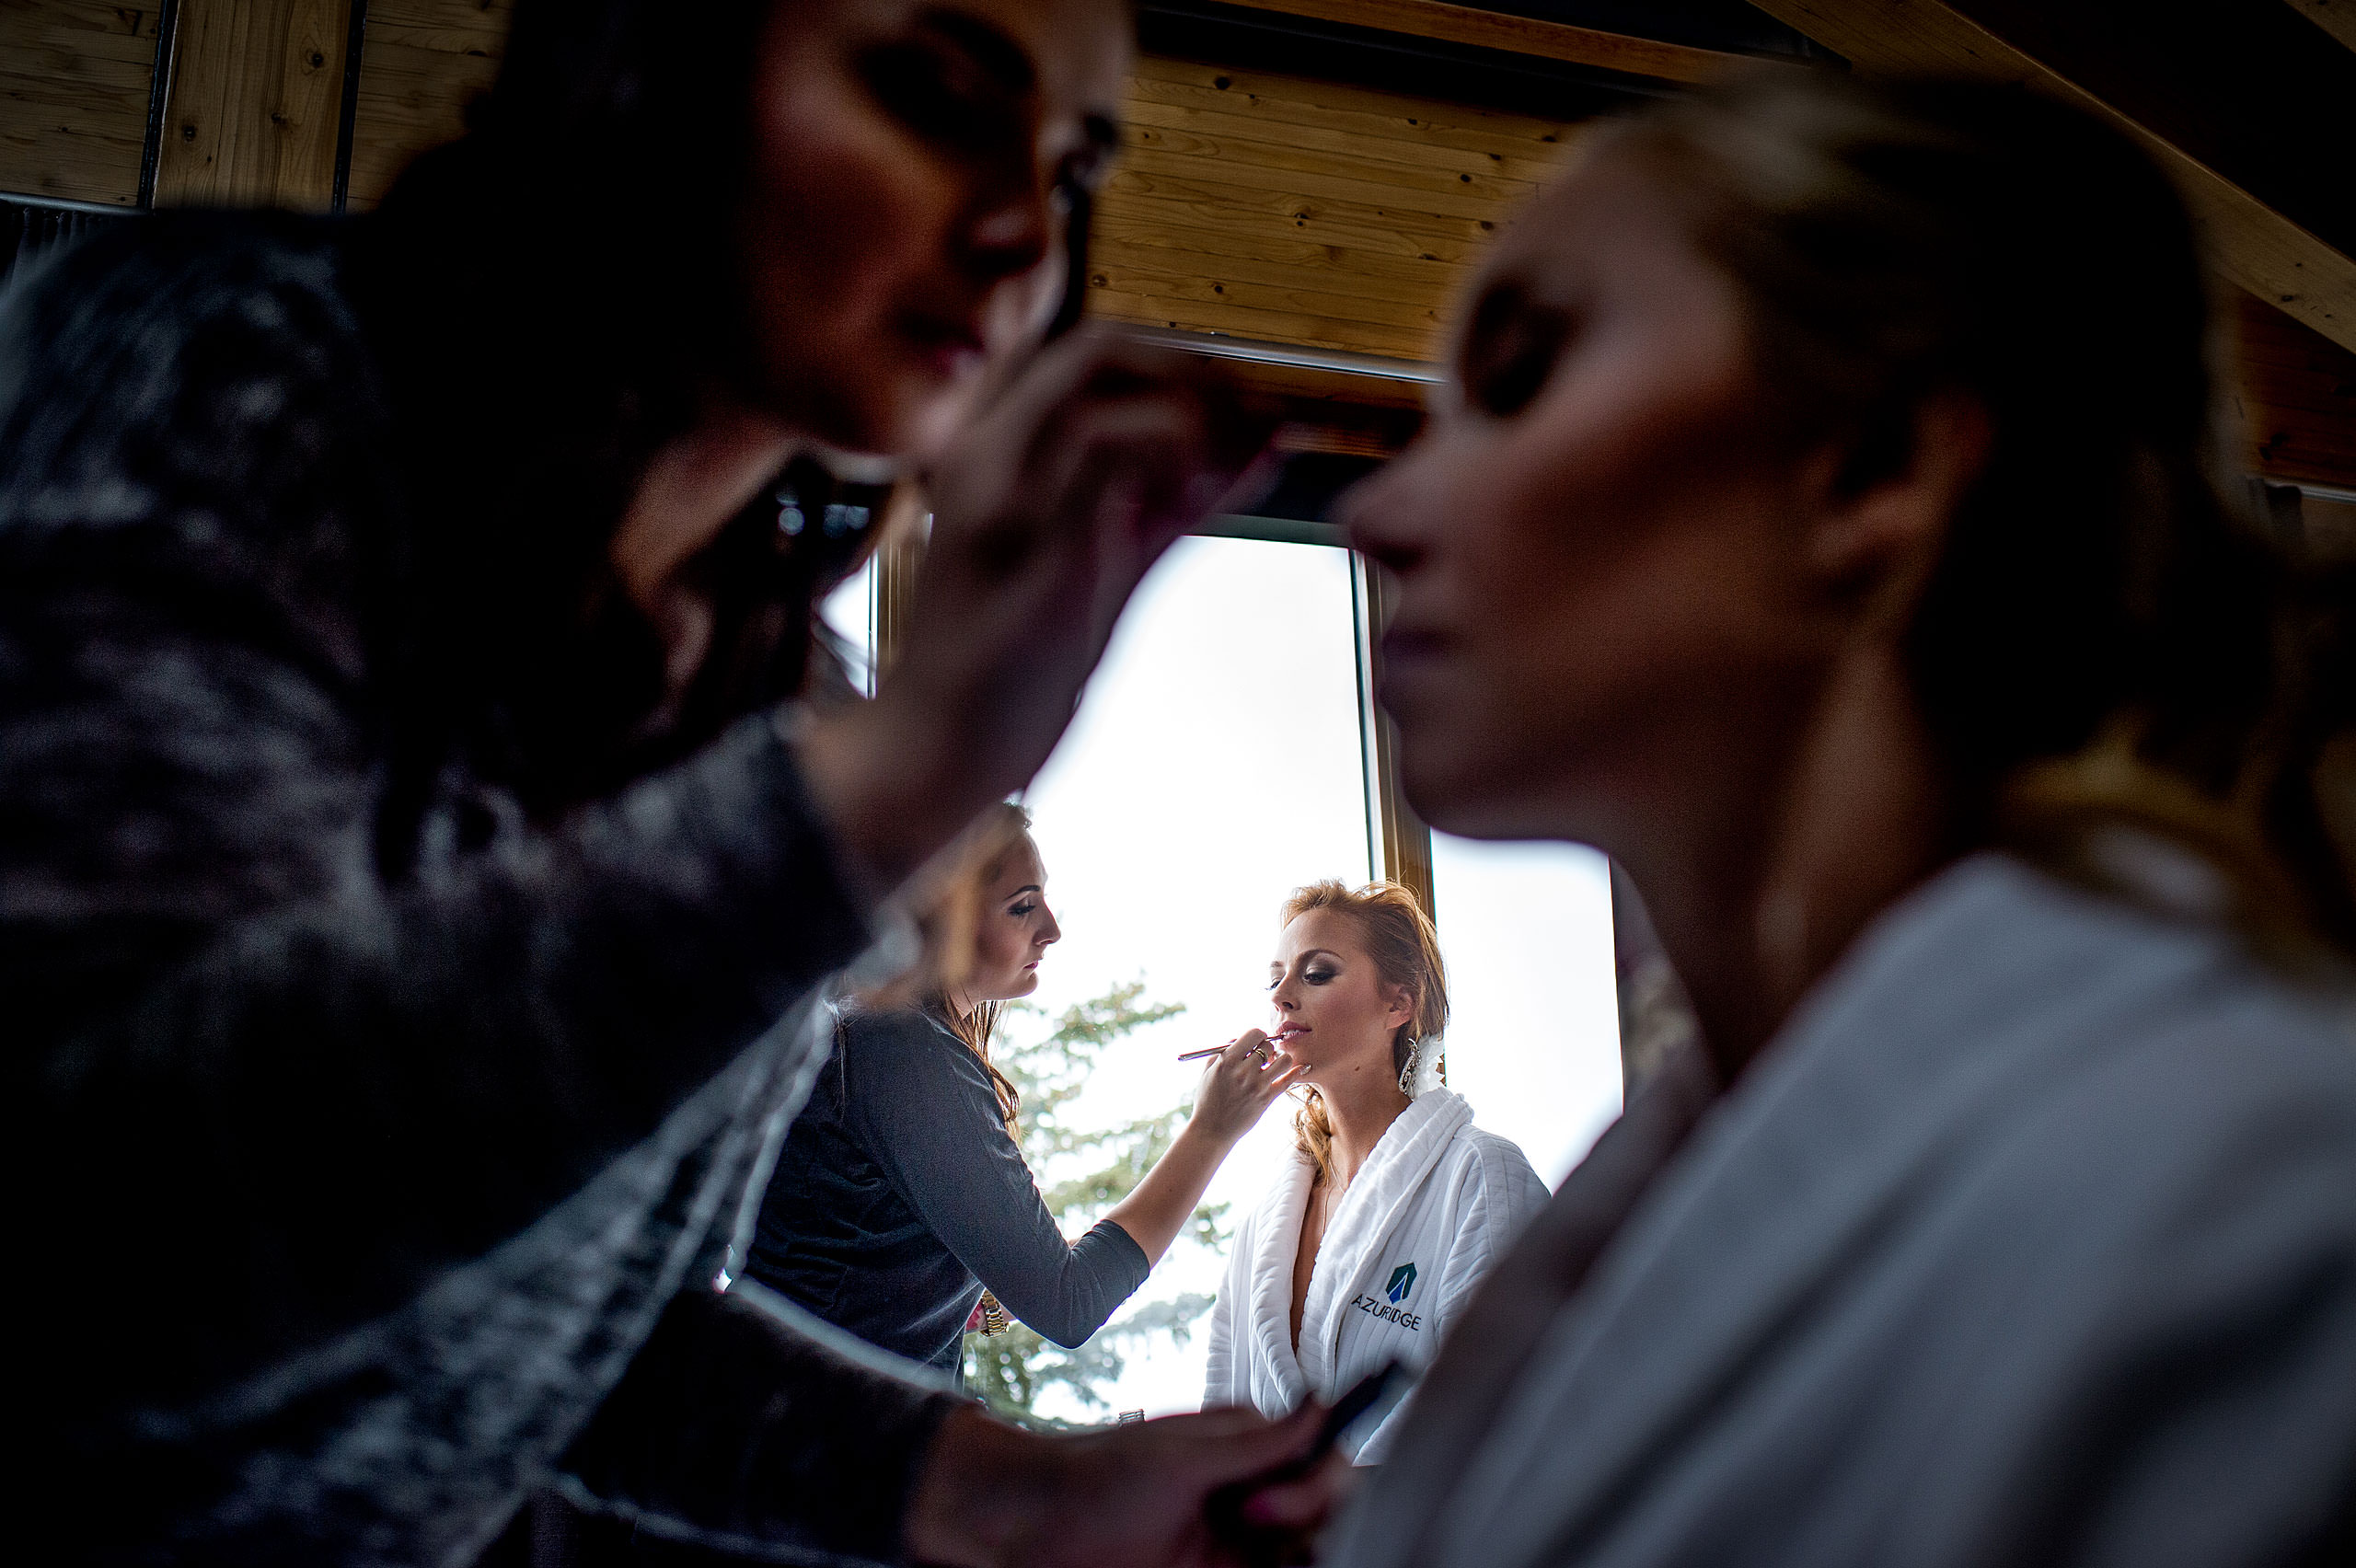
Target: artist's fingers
<point x="1301" y="1504"/>
<point x="1089" y="353"/>
<point x="1227" y="1421"/>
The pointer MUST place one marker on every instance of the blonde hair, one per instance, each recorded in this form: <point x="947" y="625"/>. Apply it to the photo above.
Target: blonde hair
<point x="948" y="917"/>
<point x="1404" y="949"/>
<point x="2110" y="636"/>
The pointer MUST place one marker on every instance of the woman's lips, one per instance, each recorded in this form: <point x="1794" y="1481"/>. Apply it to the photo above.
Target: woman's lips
<point x="1409" y="662"/>
<point x="953" y="348"/>
<point x="1289" y="1032"/>
<point x="1402" y="645"/>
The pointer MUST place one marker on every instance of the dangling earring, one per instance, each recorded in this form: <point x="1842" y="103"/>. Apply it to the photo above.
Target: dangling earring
<point x="1407" y="1069"/>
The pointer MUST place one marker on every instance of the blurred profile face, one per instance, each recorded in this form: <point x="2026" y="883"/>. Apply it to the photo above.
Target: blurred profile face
<point x="1597" y="537"/>
<point x="1015" y="929"/>
<point x="903" y="233"/>
<point x="1332" y="1007"/>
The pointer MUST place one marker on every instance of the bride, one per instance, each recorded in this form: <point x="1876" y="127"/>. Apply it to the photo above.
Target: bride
<point x="1395" y="1204"/>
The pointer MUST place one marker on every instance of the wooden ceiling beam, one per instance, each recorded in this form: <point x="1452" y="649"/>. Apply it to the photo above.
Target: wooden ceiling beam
<point x="1517" y="35"/>
<point x="2337" y="18"/>
<point x="2255" y="246"/>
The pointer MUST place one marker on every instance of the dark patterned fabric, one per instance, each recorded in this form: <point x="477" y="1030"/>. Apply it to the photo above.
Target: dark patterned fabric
<point x="347" y="1186"/>
<point x="899" y="1195"/>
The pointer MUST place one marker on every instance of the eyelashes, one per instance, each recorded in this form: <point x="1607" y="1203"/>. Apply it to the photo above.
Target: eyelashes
<point x="1312" y="976"/>
<point x="1511" y="351"/>
<point x="934" y="95"/>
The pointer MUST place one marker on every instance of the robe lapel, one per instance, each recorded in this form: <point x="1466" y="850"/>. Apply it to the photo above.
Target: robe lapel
<point x="1274" y="1249"/>
<point x="1364" y="1225"/>
<point x="1798" y="1171"/>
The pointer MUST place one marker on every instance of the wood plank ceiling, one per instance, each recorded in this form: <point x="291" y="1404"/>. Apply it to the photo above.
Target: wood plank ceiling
<point x="424" y="60"/>
<point x="75" y="82"/>
<point x="1254" y="202"/>
<point x="1276" y="208"/>
<point x="256" y="101"/>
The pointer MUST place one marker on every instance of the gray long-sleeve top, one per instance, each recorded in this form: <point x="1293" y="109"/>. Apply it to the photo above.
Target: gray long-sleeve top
<point x="346" y="1197"/>
<point x="900" y="1195"/>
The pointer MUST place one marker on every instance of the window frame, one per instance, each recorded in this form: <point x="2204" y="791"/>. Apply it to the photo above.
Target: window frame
<point x="1399" y="845"/>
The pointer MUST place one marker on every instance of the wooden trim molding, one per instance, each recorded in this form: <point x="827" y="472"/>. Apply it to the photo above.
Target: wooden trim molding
<point x="1400" y="845"/>
<point x="897" y="557"/>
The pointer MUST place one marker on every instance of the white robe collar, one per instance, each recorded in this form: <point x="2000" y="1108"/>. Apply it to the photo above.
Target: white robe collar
<point x="1271" y="1314"/>
<point x="1406" y="1154"/>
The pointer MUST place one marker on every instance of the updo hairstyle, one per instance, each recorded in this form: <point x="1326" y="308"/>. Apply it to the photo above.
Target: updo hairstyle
<point x="2111" y="637"/>
<point x="1404" y="949"/>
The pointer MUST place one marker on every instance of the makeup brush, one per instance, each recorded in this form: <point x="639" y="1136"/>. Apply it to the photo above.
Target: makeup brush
<point x="1215" y="1050"/>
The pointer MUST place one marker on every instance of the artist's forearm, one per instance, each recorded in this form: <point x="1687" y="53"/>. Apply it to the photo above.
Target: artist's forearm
<point x="979" y="1482"/>
<point x="1155" y="1212"/>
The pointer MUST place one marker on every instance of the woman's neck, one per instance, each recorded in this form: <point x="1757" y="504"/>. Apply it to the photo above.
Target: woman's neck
<point x="1753" y="914"/>
<point x="1360" y="1108"/>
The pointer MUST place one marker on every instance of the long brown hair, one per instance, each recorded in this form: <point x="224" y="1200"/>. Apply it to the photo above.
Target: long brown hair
<point x="1404" y="949"/>
<point x="947" y="916"/>
<point x="2109" y="637"/>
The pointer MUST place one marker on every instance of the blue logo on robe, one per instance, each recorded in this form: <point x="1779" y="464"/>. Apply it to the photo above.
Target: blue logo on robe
<point x="1403" y="1280"/>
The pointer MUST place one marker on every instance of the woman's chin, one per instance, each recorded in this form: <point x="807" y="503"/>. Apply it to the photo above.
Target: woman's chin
<point x="909" y="413"/>
<point x="929" y="404"/>
<point x="1444" y="791"/>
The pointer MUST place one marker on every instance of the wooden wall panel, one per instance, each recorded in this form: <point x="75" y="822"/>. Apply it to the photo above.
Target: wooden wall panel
<point x="425" y="61"/>
<point x="255" y="104"/>
<point x="2298" y="399"/>
<point x="74" y="80"/>
<point x="1307" y="212"/>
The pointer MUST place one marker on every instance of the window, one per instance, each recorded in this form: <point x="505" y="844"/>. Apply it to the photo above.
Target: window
<point x="849" y="614"/>
<point x="1214" y="767"/>
<point x="1220" y="758"/>
<point x="1534" y="1038"/>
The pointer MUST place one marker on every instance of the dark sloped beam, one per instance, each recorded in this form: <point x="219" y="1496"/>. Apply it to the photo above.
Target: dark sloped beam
<point x="2337" y="18"/>
<point x="2277" y="257"/>
<point x="1483" y="29"/>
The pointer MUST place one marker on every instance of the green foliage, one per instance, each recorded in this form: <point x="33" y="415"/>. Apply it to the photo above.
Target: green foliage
<point x="1084" y="1172"/>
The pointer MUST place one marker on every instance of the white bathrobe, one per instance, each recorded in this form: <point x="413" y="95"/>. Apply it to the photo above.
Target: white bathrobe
<point x="2030" y="1240"/>
<point x="1436" y="1204"/>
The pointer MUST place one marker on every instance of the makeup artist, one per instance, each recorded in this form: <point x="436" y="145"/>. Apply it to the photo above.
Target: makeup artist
<point x="408" y="834"/>
<point x="902" y="1193"/>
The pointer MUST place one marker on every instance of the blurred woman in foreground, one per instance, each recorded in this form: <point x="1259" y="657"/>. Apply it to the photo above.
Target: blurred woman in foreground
<point x="405" y="842"/>
<point x="1829" y="522"/>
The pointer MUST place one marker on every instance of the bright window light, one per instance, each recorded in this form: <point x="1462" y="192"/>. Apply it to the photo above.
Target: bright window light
<point x="849" y="613"/>
<point x="1213" y="766"/>
<point x="1534" y="1035"/>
